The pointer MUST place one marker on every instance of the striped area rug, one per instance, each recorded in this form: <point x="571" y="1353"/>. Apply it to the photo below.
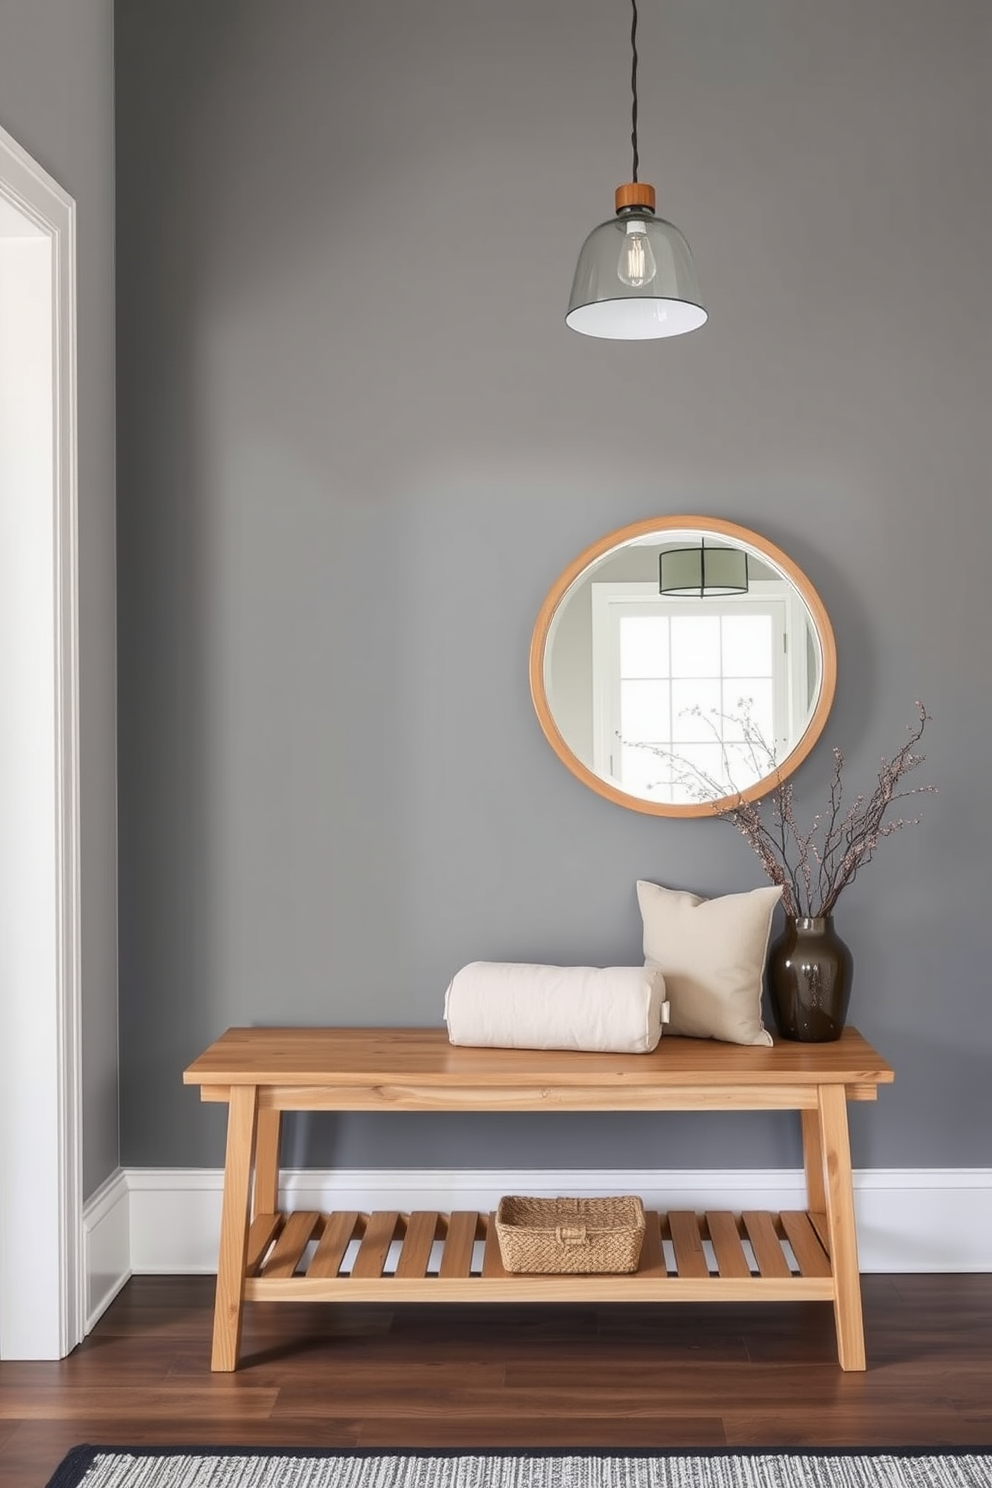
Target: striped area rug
<point x="212" y="1467"/>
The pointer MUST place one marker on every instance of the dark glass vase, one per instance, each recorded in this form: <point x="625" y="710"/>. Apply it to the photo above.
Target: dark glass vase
<point x="809" y="977"/>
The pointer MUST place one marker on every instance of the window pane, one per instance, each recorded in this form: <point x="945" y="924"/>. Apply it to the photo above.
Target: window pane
<point x="750" y="699"/>
<point x="688" y="792"/>
<point x="644" y="710"/>
<point x="645" y="773"/>
<point x="745" y="766"/>
<point x="695" y="645"/>
<point x="747" y="645"/>
<point x="644" y="646"/>
<point x="700" y="764"/>
<point x="691" y="695"/>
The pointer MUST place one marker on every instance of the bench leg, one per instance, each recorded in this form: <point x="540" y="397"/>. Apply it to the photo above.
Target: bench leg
<point x="265" y="1199"/>
<point x="241" y="1123"/>
<point x="839" y="1196"/>
<point x="816" y="1202"/>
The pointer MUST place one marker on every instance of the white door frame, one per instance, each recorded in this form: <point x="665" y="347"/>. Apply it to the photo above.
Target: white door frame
<point x="41" y="1248"/>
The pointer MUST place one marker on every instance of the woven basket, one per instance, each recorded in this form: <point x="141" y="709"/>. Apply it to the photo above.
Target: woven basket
<point x="570" y="1235"/>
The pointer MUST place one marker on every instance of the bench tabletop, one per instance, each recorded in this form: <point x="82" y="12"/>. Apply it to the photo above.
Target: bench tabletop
<point x="360" y="1056"/>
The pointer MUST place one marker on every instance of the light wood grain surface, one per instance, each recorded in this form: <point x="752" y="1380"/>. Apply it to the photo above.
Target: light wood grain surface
<point x="265" y="1256"/>
<point x="423" y="1057"/>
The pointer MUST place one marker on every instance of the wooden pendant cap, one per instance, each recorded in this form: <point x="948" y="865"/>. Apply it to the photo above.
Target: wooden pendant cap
<point x="635" y="194"/>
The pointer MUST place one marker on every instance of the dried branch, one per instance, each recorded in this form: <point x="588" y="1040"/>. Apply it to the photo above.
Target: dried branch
<point x="815" y="866"/>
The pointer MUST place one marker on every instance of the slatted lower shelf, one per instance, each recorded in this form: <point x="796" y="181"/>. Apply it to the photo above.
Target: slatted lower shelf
<point x="426" y="1256"/>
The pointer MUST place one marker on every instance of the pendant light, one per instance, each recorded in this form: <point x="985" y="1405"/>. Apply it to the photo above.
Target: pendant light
<point x="698" y="573"/>
<point x="635" y="279"/>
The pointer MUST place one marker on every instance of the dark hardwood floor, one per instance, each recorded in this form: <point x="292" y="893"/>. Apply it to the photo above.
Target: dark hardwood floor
<point x="421" y="1376"/>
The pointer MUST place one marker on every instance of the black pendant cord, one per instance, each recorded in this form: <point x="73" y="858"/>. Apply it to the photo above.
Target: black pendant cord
<point x="633" y="87"/>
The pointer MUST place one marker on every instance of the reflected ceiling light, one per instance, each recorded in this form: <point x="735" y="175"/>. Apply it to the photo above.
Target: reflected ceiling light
<point x="701" y="572"/>
<point x="635" y="279"/>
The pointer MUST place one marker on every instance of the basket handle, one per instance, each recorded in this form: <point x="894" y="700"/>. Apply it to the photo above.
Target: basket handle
<point x="571" y="1235"/>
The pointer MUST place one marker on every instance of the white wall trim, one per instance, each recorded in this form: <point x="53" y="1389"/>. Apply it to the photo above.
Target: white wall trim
<point x="166" y="1221"/>
<point x="909" y="1219"/>
<point x="106" y="1244"/>
<point x="41" y="1278"/>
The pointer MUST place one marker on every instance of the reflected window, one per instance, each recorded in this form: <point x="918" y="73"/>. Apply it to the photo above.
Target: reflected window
<point x="692" y="698"/>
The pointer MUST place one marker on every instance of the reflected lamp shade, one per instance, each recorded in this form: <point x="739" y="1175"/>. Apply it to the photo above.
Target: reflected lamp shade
<point x="699" y="572"/>
<point x="635" y="279"/>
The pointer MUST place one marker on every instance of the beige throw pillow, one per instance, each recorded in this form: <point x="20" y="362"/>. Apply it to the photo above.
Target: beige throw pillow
<point x="712" y="955"/>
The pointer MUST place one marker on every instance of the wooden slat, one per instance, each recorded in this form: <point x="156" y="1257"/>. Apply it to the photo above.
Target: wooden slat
<point x="543" y="1287"/>
<point x="813" y="1260"/>
<point x="372" y="1252"/>
<point x="492" y="1260"/>
<point x="339" y="1230"/>
<point x="689" y="1257"/>
<point x="457" y="1257"/>
<point x="765" y="1243"/>
<point x="726" y="1242"/>
<point x="292" y="1242"/>
<point x="421" y="1231"/>
<point x="259" y="1239"/>
<point x="652" y="1262"/>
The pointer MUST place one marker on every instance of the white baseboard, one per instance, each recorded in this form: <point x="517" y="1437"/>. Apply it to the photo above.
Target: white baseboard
<point x="909" y="1219"/>
<point x="106" y="1245"/>
<point x="161" y="1221"/>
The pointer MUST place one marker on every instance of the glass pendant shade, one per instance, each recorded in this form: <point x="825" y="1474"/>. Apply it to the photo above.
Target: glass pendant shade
<point x="701" y="571"/>
<point x="635" y="281"/>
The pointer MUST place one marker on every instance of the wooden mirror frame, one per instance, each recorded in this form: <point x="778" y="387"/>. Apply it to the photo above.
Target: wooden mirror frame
<point x="707" y="526"/>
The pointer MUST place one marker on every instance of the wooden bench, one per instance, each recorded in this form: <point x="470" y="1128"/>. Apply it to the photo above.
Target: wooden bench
<point x="719" y="1257"/>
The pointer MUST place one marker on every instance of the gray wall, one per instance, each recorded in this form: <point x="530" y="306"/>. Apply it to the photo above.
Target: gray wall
<point x="57" y="100"/>
<point x="357" y="445"/>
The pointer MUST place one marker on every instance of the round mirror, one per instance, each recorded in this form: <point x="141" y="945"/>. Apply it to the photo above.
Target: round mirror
<point x="682" y="663"/>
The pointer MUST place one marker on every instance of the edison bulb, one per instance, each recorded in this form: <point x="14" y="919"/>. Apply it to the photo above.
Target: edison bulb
<point x="637" y="265"/>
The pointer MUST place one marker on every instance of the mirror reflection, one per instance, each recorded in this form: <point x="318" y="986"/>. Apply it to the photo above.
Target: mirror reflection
<point x="682" y="664"/>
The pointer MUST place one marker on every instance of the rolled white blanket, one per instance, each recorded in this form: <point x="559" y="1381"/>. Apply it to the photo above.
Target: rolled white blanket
<point x="513" y="1005"/>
